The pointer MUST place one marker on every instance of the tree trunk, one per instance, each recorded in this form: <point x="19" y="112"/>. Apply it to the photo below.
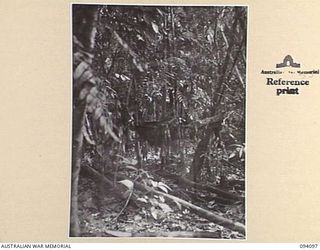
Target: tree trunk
<point x="77" y="141"/>
<point x="137" y="117"/>
<point x="199" y="155"/>
<point x="84" y="18"/>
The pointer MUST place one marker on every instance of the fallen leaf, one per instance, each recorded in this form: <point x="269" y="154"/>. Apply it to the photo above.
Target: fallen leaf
<point x="142" y="200"/>
<point x="137" y="217"/>
<point x="165" y="207"/>
<point x="129" y="184"/>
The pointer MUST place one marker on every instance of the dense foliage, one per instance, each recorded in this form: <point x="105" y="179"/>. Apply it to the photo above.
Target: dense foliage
<point x="159" y="109"/>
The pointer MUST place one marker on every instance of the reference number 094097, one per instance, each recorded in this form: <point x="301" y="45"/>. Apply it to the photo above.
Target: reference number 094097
<point x="308" y="245"/>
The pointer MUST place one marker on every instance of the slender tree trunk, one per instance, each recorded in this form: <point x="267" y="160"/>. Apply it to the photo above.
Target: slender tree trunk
<point x="138" y="117"/>
<point x="84" y="18"/>
<point x="78" y="122"/>
<point x="199" y="155"/>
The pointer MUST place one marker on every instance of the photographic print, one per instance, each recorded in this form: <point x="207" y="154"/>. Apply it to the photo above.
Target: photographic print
<point x="158" y="121"/>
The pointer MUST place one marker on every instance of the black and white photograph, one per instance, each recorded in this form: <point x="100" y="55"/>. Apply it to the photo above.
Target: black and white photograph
<point x="158" y="121"/>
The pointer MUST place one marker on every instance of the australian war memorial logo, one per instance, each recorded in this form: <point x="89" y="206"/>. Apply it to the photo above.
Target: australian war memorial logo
<point x="289" y="76"/>
<point x="288" y="62"/>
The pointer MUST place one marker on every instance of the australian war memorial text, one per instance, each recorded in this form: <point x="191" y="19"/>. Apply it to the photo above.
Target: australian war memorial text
<point x="288" y="77"/>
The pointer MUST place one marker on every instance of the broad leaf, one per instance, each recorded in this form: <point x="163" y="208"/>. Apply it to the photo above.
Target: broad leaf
<point x="161" y="198"/>
<point x="131" y="168"/>
<point x="154" y="183"/>
<point x="164" y="185"/>
<point x="137" y="217"/>
<point x="165" y="208"/>
<point x="154" y="212"/>
<point x="142" y="200"/>
<point x="163" y="189"/>
<point x="81" y="68"/>
<point x="155" y="28"/>
<point x="178" y="204"/>
<point x="233" y="154"/>
<point x="83" y="93"/>
<point x="97" y="113"/>
<point x="129" y="184"/>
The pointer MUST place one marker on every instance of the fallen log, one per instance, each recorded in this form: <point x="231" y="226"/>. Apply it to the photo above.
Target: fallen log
<point x="211" y="216"/>
<point x="176" y="234"/>
<point x="206" y="199"/>
<point x="95" y="175"/>
<point x="215" y="190"/>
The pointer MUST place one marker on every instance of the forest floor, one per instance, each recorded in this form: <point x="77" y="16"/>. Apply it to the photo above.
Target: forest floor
<point x="154" y="215"/>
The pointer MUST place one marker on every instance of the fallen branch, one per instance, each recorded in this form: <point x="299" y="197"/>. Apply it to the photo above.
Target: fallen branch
<point x="211" y="216"/>
<point x="206" y="199"/>
<point x="94" y="174"/>
<point x="235" y="226"/>
<point x="215" y="190"/>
